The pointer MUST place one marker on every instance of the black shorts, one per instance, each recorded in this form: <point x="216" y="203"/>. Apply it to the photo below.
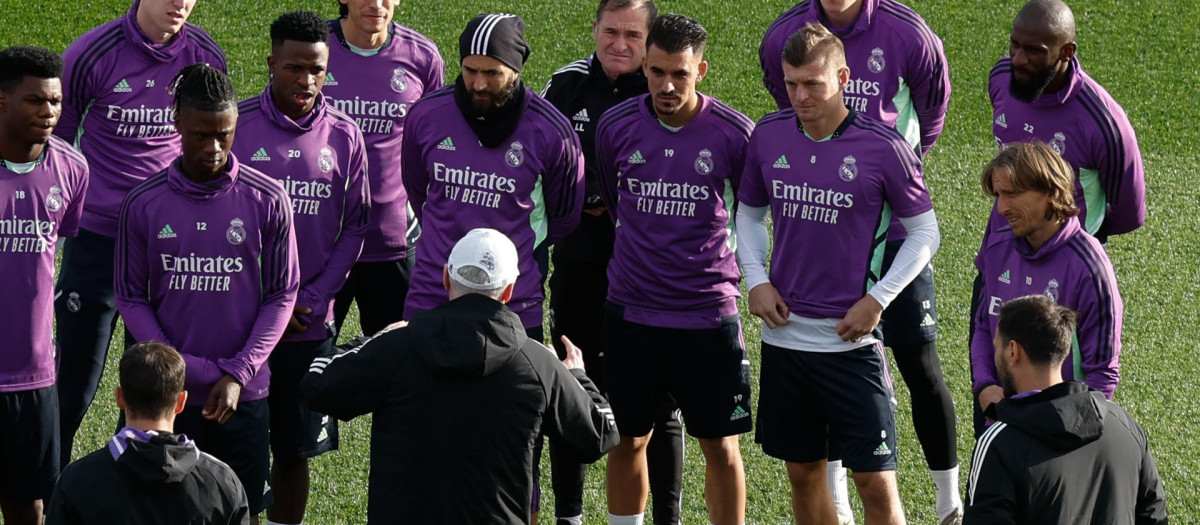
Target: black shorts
<point x="296" y="431"/>
<point x="807" y="399"/>
<point x="28" y="443"/>
<point x="911" y="319"/>
<point x="578" y="291"/>
<point x="705" y="370"/>
<point x="241" y="443"/>
<point x="379" y="289"/>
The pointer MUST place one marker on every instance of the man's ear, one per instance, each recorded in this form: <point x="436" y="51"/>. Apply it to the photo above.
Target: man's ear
<point x="181" y="402"/>
<point x="1067" y="51"/>
<point x="121" y="399"/>
<point x="703" y="70"/>
<point x="446" y="277"/>
<point x="507" y="295"/>
<point x="1015" y="353"/>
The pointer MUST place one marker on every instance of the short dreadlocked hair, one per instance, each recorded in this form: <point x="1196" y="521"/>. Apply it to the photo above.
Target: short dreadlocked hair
<point x="18" y="62"/>
<point x="299" y="26"/>
<point x="203" y="87"/>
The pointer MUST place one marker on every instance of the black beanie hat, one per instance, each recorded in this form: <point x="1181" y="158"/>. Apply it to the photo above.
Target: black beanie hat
<point x="500" y="36"/>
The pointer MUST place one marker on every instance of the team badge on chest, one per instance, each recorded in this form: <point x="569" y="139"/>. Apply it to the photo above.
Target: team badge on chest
<point x="54" y="199"/>
<point x="704" y="162"/>
<point x="848" y="170"/>
<point x="1059" y="143"/>
<point x="1052" y="290"/>
<point x="399" y="80"/>
<point x="876" y="63"/>
<point x="325" y="160"/>
<point x="515" y="156"/>
<point x="236" y="234"/>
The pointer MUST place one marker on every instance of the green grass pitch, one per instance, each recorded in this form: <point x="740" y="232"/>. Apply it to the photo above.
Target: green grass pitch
<point x="1145" y="53"/>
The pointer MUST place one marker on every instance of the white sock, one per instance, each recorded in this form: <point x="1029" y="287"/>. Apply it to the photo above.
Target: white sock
<point x="573" y="520"/>
<point x="948" y="497"/>
<point x="636" y="519"/>
<point x="839" y="487"/>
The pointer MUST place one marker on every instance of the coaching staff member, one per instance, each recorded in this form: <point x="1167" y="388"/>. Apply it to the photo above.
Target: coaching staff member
<point x="146" y="473"/>
<point x="1060" y="452"/>
<point x="468" y="365"/>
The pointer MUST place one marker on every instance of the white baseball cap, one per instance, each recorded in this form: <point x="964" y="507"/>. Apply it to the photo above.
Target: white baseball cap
<point x="489" y="251"/>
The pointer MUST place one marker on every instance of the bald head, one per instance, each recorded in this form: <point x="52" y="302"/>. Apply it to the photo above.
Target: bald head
<point x="1051" y="16"/>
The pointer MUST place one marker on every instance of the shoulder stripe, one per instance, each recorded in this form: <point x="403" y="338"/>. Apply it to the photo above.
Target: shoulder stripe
<point x="1106" y="123"/>
<point x="580" y="65"/>
<point x="783" y="114"/>
<point x="907" y="15"/>
<point x="1002" y="67"/>
<point x="262" y="183"/>
<point x="617" y="112"/>
<point x="412" y="35"/>
<point x="205" y="41"/>
<point x="339" y="115"/>
<point x="100" y="47"/>
<point x="801" y="9"/>
<point x="150" y="184"/>
<point x="981" y="451"/>
<point x="739" y="121"/>
<point x="1100" y="281"/>
<point x="64" y="148"/>
<point x="249" y="105"/>
<point x="552" y="116"/>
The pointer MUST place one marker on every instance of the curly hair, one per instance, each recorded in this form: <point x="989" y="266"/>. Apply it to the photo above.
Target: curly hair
<point x="299" y="26"/>
<point x="18" y="62"/>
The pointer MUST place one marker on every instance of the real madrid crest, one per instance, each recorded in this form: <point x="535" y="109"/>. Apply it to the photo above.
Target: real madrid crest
<point x="325" y="160"/>
<point x="848" y="171"/>
<point x="399" y="80"/>
<point x="54" y="199"/>
<point x="704" y="162"/>
<point x="236" y="234"/>
<point x="1059" y="143"/>
<point x="515" y="155"/>
<point x="876" y="63"/>
<point x="1052" y="290"/>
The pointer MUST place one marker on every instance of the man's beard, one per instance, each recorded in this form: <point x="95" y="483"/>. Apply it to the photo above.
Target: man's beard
<point x="1006" y="380"/>
<point x="1031" y="90"/>
<point x="497" y="101"/>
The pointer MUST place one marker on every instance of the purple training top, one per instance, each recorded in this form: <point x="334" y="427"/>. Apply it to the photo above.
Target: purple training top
<point x="1070" y="268"/>
<point x="321" y="162"/>
<point x="1089" y="129"/>
<point x="210" y="269"/>
<point x="117" y="107"/>
<point x="898" y="71"/>
<point x="671" y="195"/>
<point x="530" y="189"/>
<point x="831" y="202"/>
<point x="35" y="210"/>
<point x="378" y="91"/>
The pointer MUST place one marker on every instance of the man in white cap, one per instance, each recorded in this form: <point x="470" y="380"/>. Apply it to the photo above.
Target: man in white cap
<point x="459" y="397"/>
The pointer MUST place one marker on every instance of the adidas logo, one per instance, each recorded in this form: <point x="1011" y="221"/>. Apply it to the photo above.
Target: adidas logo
<point x="928" y="321"/>
<point x="738" y="413"/>
<point x="323" y="435"/>
<point x="446" y="144"/>
<point x="167" y="233"/>
<point x="329" y="80"/>
<point x="1004" y="278"/>
<point x="637" y="158"/>
<point x="883" y="450"/>
<point x="260" y="155"/>
<point x="782" y="163"/>
<point x="1001" y="121"/>
<point x="582" y="116"/>
<point x="122" y="87"/>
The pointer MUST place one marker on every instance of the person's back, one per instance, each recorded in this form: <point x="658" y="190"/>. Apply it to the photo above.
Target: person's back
<point x="162" y="479"/>
<point x="1065" y="453"/>
<point x="458" y="399"/>
<point x="146" y="474"/>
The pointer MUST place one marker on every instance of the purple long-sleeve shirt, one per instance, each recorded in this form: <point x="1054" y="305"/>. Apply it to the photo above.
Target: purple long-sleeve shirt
<point x="672" y="194"/>
<point x="378" y="92"/>
<point x="36" y="209"/>
<point x="321" y="162"/>
<point x="1091" y="132"/>
<point x="530" y="188"/>
<point x="117" y="107"/>
<point x="211" y="269"/>
<point x="1072" y="269"/>
<point x="831" y="202"/>
<point x="898" y="71"/>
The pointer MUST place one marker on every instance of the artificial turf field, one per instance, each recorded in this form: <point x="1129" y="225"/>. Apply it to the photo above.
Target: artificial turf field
<point x="1144" y="52"/>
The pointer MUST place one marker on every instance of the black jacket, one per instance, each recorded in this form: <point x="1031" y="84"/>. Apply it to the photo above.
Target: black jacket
<point x="1064" y="455"/>
<point x="164" y="480"/>
<point x="582" y="92"/>
<point x="458" y="399"/>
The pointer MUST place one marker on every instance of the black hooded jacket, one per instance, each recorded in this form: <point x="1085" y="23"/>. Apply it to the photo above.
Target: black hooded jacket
<point x="1064" y="455"/>
<point x="163" y="480"/>
<point x="458" y="399"/>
